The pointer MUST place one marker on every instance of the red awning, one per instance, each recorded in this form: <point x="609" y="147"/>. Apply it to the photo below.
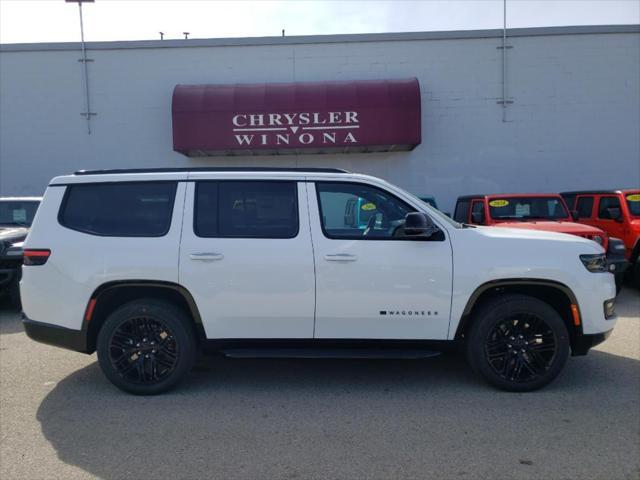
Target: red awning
<point x="280" y="118"/>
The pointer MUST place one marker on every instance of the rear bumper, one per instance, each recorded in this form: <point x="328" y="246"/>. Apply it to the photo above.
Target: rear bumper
<point x="75" y="340"/>
<point x="581" y="344"/>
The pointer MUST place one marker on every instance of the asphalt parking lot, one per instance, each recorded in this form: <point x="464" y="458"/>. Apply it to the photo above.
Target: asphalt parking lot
<point x="299" y="419"/>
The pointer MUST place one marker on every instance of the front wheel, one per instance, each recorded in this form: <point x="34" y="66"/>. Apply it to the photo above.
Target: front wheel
<point x="517" y="343"/>
<point x="146" y="346"/>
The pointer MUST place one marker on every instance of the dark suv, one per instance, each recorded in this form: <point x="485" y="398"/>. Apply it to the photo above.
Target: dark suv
<point x="16" y="215"/>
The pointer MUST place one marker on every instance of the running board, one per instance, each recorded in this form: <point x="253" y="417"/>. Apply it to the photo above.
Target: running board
<point x="364" y="353"/>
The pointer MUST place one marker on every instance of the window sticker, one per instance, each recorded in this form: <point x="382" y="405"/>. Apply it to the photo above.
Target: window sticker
<point x="368" y="206"/>
<point x="20" y="215"/>
<point x="634" y="197"/>
<point x="498" y="203"/>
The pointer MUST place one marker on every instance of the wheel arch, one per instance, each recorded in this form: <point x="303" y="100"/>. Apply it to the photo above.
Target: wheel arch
<point x="111" y="295"/>
<point x="556" y="294"/>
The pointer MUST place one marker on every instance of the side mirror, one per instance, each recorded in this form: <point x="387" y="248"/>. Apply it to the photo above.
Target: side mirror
<point x="476" y="217"/>
<point x="615" y="214"/>
<point x="574" y="215"/>
<point x="418" y="224"/>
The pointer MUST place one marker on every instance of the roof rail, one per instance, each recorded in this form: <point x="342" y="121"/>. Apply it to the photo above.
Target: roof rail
<point x="595" y="192"/>
<point x="208" y="169"/>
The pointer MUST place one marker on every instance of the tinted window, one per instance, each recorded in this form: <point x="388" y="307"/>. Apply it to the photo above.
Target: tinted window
<point x="462" y="211"/>
<point x="140" y="209"/>
<point x="605" y="204"/>
<point x="246" y="209"/>
<point x="352" y="210"/>
<point x="584" y="207"/>
<point x="570" y="200"/>
<point x="527" y="208"/>
<point x="478" y="208"/>
<point x="17" y="212"/>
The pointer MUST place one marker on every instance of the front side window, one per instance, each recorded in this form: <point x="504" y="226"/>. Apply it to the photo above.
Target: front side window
<point x="17" y="212"/>
<point x="527" y="208"/>
<point x="251" y="209"/>
<point x="584" y="207"/>
<point x="128" y="209"/>
<point x="351" y="210"/>
<point x="605" y="206"/>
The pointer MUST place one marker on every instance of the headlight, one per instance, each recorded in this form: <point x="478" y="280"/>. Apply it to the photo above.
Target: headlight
<point x="597" y="239"/>
<point x="596" y="262"/>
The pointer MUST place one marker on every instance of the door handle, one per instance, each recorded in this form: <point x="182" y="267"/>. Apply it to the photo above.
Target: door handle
<point x="206" y="256"/>
<point x="340" y="257"/>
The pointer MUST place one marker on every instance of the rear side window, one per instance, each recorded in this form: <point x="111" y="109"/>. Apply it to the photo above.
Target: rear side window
<point x="462" y="211"/>
<point x="584" y="207"/>
<point x="253" y="209"/>
<point x="128" y="209"/>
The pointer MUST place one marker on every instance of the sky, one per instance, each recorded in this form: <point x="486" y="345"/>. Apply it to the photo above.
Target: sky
<point x="26" y="21"/>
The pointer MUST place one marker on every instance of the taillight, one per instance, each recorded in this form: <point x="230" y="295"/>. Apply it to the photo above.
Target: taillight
<point x="35" y="256"/>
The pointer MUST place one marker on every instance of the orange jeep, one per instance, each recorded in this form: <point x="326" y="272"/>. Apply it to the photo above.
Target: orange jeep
<point x="617" y="212"/>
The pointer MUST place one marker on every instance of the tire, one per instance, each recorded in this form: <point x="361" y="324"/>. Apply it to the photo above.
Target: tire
<point x="517" y="343"/>
<point x="146" y="347"/>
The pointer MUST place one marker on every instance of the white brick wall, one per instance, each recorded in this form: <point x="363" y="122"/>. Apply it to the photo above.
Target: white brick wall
<point x="575" y="122"/>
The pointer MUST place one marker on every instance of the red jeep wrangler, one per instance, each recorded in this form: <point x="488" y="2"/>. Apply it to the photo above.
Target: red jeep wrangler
<point x="538" y="211"/>
<point x="617" y="212"/>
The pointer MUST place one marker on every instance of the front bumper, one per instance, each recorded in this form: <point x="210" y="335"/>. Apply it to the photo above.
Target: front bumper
<point x="616" y="264"/>
<point x="55" y="335"/>
<point x="581" y="344"/>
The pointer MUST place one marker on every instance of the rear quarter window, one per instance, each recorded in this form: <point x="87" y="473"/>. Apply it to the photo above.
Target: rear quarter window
<point x="131" y="209"/>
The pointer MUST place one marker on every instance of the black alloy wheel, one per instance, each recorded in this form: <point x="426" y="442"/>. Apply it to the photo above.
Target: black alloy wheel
<point x="143" y="350"/>
<point x="517" y="342"/>
<point x="522" y="348"/>
<point x="146" y="346"/>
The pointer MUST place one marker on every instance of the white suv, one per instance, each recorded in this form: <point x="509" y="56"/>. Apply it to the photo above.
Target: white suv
<point x="149" y="266"/>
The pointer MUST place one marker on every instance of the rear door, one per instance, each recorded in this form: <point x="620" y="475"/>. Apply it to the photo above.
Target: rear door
<point x="370" y="283"/>
<point x="246" y="257"/>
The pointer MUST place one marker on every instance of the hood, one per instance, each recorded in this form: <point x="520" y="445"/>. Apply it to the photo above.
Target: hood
<point x="13" y="234"/>
<point x="536" y="235"/>
<point x="550" y="226"/>
<point x="635" y="224"/>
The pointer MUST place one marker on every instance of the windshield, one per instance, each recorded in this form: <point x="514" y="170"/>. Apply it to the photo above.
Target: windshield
<point x="17" y="212"/>
<point x="528" y="208"/>
<point x="633" y="202"/>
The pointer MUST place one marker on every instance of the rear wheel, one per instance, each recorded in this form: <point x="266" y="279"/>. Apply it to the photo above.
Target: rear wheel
<point x="517" y="343"/>
<point x="147" y="346"/>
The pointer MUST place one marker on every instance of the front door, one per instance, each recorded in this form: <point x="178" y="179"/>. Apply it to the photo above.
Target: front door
<point x="371" y="284"/>
<point x="246" y="258"/>
<point x="614" y="228"/>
